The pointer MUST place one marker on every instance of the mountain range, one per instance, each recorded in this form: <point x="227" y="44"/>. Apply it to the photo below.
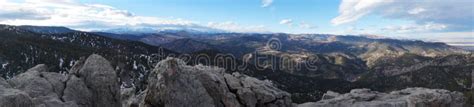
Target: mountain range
<point x="338" y="62"/>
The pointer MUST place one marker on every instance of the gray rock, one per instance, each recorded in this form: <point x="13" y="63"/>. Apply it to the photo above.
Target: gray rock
<point x="32" y="82"/>
<point x="10" y="97"/>
<point x="101" y="79"/>
<point x="14" y="98"/>
<point x="127" y="95"/>
<point x="410" y="97"/>
<point x="233" y="83"/>
<point x="56" y="80"/>
<point x="173" y="83"/>
<point x="214" y="82"/>
<point x="92" y="83"/>
<point x="52" y="101"/>
<point x="77" y="91"/>
<point x="4" y="84"/>
<point x="330" y="95"/>
<point x="130" y="99"/>
<point x="247" y="97"/>
<point x="77" y="66"/>
<point x="44" y="88"/>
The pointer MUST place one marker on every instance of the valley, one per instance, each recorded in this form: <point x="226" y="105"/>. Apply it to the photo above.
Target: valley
<point x="305" y="65"/>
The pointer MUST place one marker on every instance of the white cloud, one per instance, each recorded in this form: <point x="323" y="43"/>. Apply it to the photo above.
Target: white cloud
<point x="354" y="30"/>
<point x="449" y="37"/>
<point x="416" y="10"/>
<point x="415" y="28"/>
<point x="232" y="26"/>
<point x="88" y="17"/>
<point x="302" y="25"/>
<point x="288" y="22"/>
<point x="351" y="10"/>
<point x="305" y="25"/>
<point x="446" y="37"/>
<point x="458" y="15"/>
<point x="71" y="14"/>
<point x="266" y="3"/>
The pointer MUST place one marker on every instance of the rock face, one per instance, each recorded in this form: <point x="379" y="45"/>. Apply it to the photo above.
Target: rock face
<point x="92" y="84"/>
<point x="174" y="84"/>
<point x="410" y="97"/>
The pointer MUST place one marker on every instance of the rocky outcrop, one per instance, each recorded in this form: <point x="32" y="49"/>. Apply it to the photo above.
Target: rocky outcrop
<point x="10" y="97"/>
<point x="174" y="84"/>
<point x="92" y="84"/>
<point x="43" y="88"/>
<point x="410" y="97"/>
<point x="101" y="79"/>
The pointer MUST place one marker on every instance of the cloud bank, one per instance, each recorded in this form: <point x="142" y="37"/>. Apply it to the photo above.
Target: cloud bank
<point x="235" y="27"/>
<point x="73" y="14"/>
<point x="414" y="28"/>
<point x="453" y="15"/>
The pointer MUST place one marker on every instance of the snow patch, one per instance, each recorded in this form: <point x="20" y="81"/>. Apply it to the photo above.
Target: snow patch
<point x="61" y="62"/>
<point x="5" y="65"/>
<point x="135" y="67"/>
<point x="71" y="63"/>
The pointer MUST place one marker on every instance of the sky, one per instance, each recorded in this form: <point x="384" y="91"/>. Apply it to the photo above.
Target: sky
<point x="429" y="20"/>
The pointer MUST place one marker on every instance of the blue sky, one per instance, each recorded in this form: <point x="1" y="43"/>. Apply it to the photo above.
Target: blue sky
<point x="431" y="20"/>
<point x="317" y="13"/>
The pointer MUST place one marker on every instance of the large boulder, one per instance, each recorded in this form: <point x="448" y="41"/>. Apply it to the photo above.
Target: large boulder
<point x="92" y="83"/>
<point x="174" y="84"/>
<point x="102" y="80"/>
<point x="410" y="97"/>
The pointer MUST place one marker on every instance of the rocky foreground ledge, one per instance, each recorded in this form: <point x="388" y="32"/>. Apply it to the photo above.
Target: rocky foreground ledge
<point x="410" y="97"/>
<point x="94" y="83"/>
<point x="174" y="84"/>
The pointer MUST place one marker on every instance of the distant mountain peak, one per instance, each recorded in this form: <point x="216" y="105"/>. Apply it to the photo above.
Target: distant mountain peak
<point x="39" y="29"/>
<point x="372" y="36"/>
<point x="167" y="29"/>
